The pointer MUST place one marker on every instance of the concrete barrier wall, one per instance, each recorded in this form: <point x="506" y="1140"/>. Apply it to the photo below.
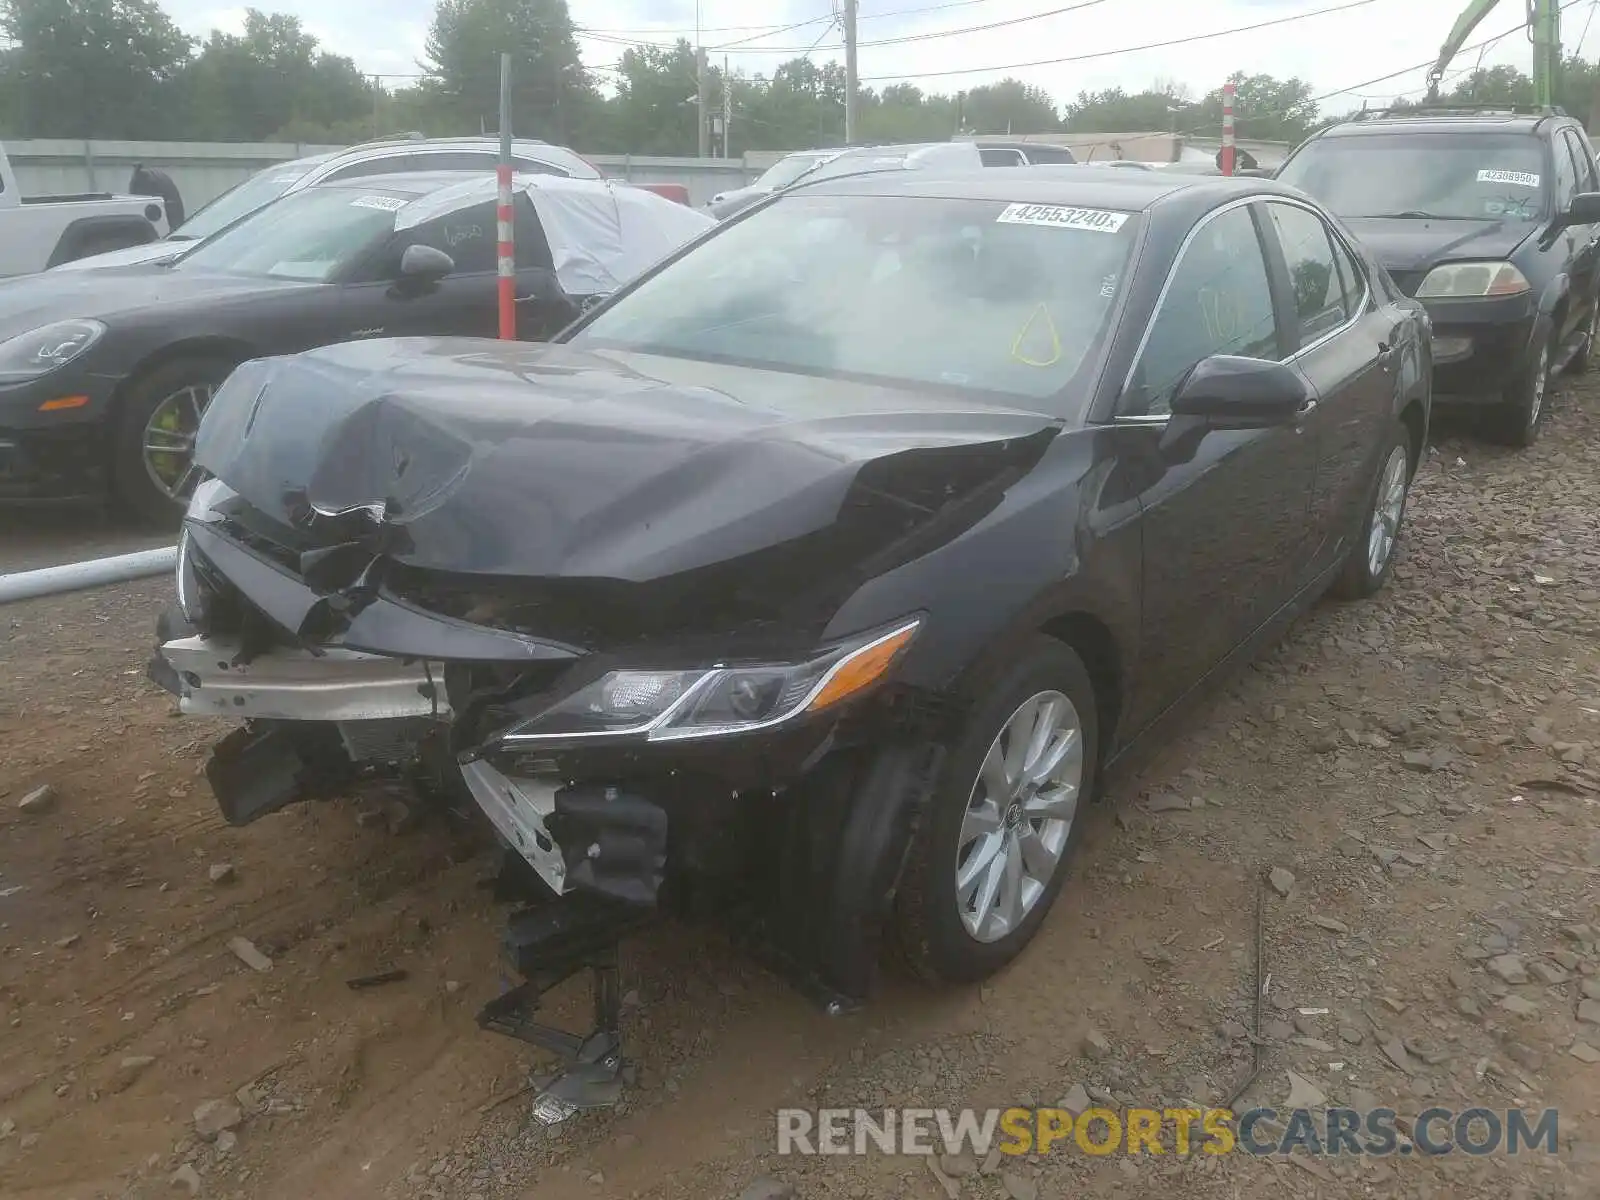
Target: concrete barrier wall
<point x="204" y="170"/>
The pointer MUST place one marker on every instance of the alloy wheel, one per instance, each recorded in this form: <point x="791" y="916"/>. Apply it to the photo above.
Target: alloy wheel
<point x="1541" y="380"/>
<point x="169" y="438"/>
<point x="1019" y="815"/>
<point x="1387" y="511"/>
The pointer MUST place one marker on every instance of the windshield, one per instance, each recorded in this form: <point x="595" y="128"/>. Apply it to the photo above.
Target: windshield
<point x="310" y="235"/>
<point x="258" y="191"/>
<point x="980" y="295"/>
<point x="786" y="170"/>
<point x="1459" y="176"/>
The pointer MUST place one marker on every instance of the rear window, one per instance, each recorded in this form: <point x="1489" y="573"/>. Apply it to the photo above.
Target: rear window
<point x="1447" y="175"/>
<point x="981" y="295"/>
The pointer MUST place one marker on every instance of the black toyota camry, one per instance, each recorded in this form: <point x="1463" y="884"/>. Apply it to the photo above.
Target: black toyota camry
<point x="104" y="374"/>
<point x="825" y="566"/>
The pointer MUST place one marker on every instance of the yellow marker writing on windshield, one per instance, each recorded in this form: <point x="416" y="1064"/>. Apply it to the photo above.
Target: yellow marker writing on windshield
<point x="1022" y="334"/>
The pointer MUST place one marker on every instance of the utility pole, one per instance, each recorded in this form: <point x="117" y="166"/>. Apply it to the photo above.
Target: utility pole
<point x="700" y="101"/>
<point x="727" y="108"/>
<point x="377" y="92"/>
<point x="849" y="72"/>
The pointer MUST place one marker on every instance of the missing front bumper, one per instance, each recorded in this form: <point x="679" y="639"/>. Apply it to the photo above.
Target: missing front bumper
<point x="213" y="677"/>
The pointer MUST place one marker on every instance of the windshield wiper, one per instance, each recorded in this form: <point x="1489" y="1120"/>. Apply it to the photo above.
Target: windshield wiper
<point x="1417" y="214"/>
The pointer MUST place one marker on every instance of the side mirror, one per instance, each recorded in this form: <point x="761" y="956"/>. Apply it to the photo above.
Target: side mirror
<point x="1229" y="392"/>
<point x="425" y="264"/>
<point x="1584" y="210"/>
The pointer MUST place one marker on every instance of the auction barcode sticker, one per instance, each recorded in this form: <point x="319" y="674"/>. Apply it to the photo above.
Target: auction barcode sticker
<point x="386" y="203"/>
<point x="1098" y="219"/>
<point x="1519" y="178"/>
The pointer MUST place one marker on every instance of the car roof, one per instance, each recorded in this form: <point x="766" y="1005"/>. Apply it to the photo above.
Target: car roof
<point x="1444" y="121"/>
<point x="1075" y="184"/>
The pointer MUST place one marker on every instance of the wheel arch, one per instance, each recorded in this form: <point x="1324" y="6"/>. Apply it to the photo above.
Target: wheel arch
<point x="207" y="346"/>
<point x="1415" y="418"/>
<point x="1092" y="640"/>
<point x="82" y="231"/>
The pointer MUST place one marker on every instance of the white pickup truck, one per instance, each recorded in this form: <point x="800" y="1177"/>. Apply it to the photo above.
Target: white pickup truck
<point x="37" y="232"/>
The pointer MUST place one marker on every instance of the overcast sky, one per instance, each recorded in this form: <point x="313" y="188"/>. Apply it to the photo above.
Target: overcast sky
<point x="1339" y="50"/>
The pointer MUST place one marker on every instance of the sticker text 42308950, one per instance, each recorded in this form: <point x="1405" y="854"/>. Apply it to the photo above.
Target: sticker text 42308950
<point x="1100" y="220"/>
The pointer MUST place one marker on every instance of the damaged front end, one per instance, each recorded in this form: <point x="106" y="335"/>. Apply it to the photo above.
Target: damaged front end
<point x="600" y="606"/>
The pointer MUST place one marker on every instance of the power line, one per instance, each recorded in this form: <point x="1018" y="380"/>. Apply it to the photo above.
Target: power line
<point x="1355" y="88"/>
<point x="740" y="47"/>
<point x="1198" y="37"/>
<point x="899" y="12"/>
<point x="1579" y="49"/>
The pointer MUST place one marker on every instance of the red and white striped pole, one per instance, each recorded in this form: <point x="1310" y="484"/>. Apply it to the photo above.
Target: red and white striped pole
<point x="1227" y="129"/>
<point x="503" y="216"/>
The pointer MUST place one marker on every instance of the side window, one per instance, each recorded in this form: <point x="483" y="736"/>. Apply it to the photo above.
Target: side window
<point x="532" y="166"/>
<point x="1352" y="279"/>
<point x="1582" y="159"/>
<point x="1566" y="175"/>
<point x="454" y="160"/>
<point x="1217" y="302"/>
<point x="467" y="235"/>
<point x="1318" y="292"/>
<point x="388" y="164"/>
<point x="1000" y="156"/>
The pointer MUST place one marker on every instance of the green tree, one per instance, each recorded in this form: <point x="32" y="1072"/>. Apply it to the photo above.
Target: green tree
<point x="1009" y="106"/>
<point x="1117" y="111"/>
<point x="91" y="68"/>
<point x="1265" y="108"/>
<point x="271" y="81"/>
<point x="654" y="110"/>
<point x="552" y="94"/>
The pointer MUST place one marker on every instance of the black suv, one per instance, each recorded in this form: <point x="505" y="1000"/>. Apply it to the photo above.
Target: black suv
<point x="1492" y="220"/>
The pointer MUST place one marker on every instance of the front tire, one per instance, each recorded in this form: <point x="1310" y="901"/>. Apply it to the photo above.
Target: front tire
<point x="991" y="854"/>
<point x="1371" y="559"/>
<point x="153" y="458"/>
<point x="1520" y="415"/>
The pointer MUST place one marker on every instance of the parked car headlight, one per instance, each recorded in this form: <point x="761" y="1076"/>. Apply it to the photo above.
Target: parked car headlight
<point x="42" y="350"/>
<point x="1460" y="281"/>
<point x="666" y="706"/>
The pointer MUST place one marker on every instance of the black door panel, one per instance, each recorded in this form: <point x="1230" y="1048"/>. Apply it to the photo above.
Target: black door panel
<point x="1226" y="514"/>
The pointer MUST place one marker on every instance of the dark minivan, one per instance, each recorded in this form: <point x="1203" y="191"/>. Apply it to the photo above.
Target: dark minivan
<point x="1492" y="220"/>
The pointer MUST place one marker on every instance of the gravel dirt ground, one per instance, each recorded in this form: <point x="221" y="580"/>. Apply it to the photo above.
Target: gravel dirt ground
<point x="1426" y="767"/>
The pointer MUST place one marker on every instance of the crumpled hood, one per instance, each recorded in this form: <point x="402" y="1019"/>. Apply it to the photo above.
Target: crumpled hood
<point x="1403" y="244"/>
<point x="513" y="459"/>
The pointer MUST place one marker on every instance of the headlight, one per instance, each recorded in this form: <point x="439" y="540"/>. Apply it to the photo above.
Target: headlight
<point x="676" y="705"/>
<point x="42" y="350"/>
<point x="191" y="593"/>
<point x="1460" y="281"/>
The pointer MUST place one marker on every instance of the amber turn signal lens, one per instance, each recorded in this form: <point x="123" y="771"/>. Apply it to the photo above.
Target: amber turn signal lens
<point x="61" y="403"/>
<point x="865" y="667"/>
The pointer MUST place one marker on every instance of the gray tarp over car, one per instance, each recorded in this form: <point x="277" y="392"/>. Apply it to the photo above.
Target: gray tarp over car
<point x="601" y="233"/>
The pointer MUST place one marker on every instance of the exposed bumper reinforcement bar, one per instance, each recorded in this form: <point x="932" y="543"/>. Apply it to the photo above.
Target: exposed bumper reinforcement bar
<point x="295" y="685"/>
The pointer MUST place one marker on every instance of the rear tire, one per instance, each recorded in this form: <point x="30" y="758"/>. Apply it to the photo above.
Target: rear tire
<point x="162" y="407"/>
<point x="1371" y="559"/>
<point x="1517" y="420"/>
<point x="1585" y="356"/>
<point x="935" y="914"/>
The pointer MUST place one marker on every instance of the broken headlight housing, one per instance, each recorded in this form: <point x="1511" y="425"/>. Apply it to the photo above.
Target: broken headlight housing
<point x="202" y="507"/>
<point x="675" y="705"/>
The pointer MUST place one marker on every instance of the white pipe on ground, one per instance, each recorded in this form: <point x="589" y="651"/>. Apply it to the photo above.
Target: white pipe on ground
<point x="96" y="572"/>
